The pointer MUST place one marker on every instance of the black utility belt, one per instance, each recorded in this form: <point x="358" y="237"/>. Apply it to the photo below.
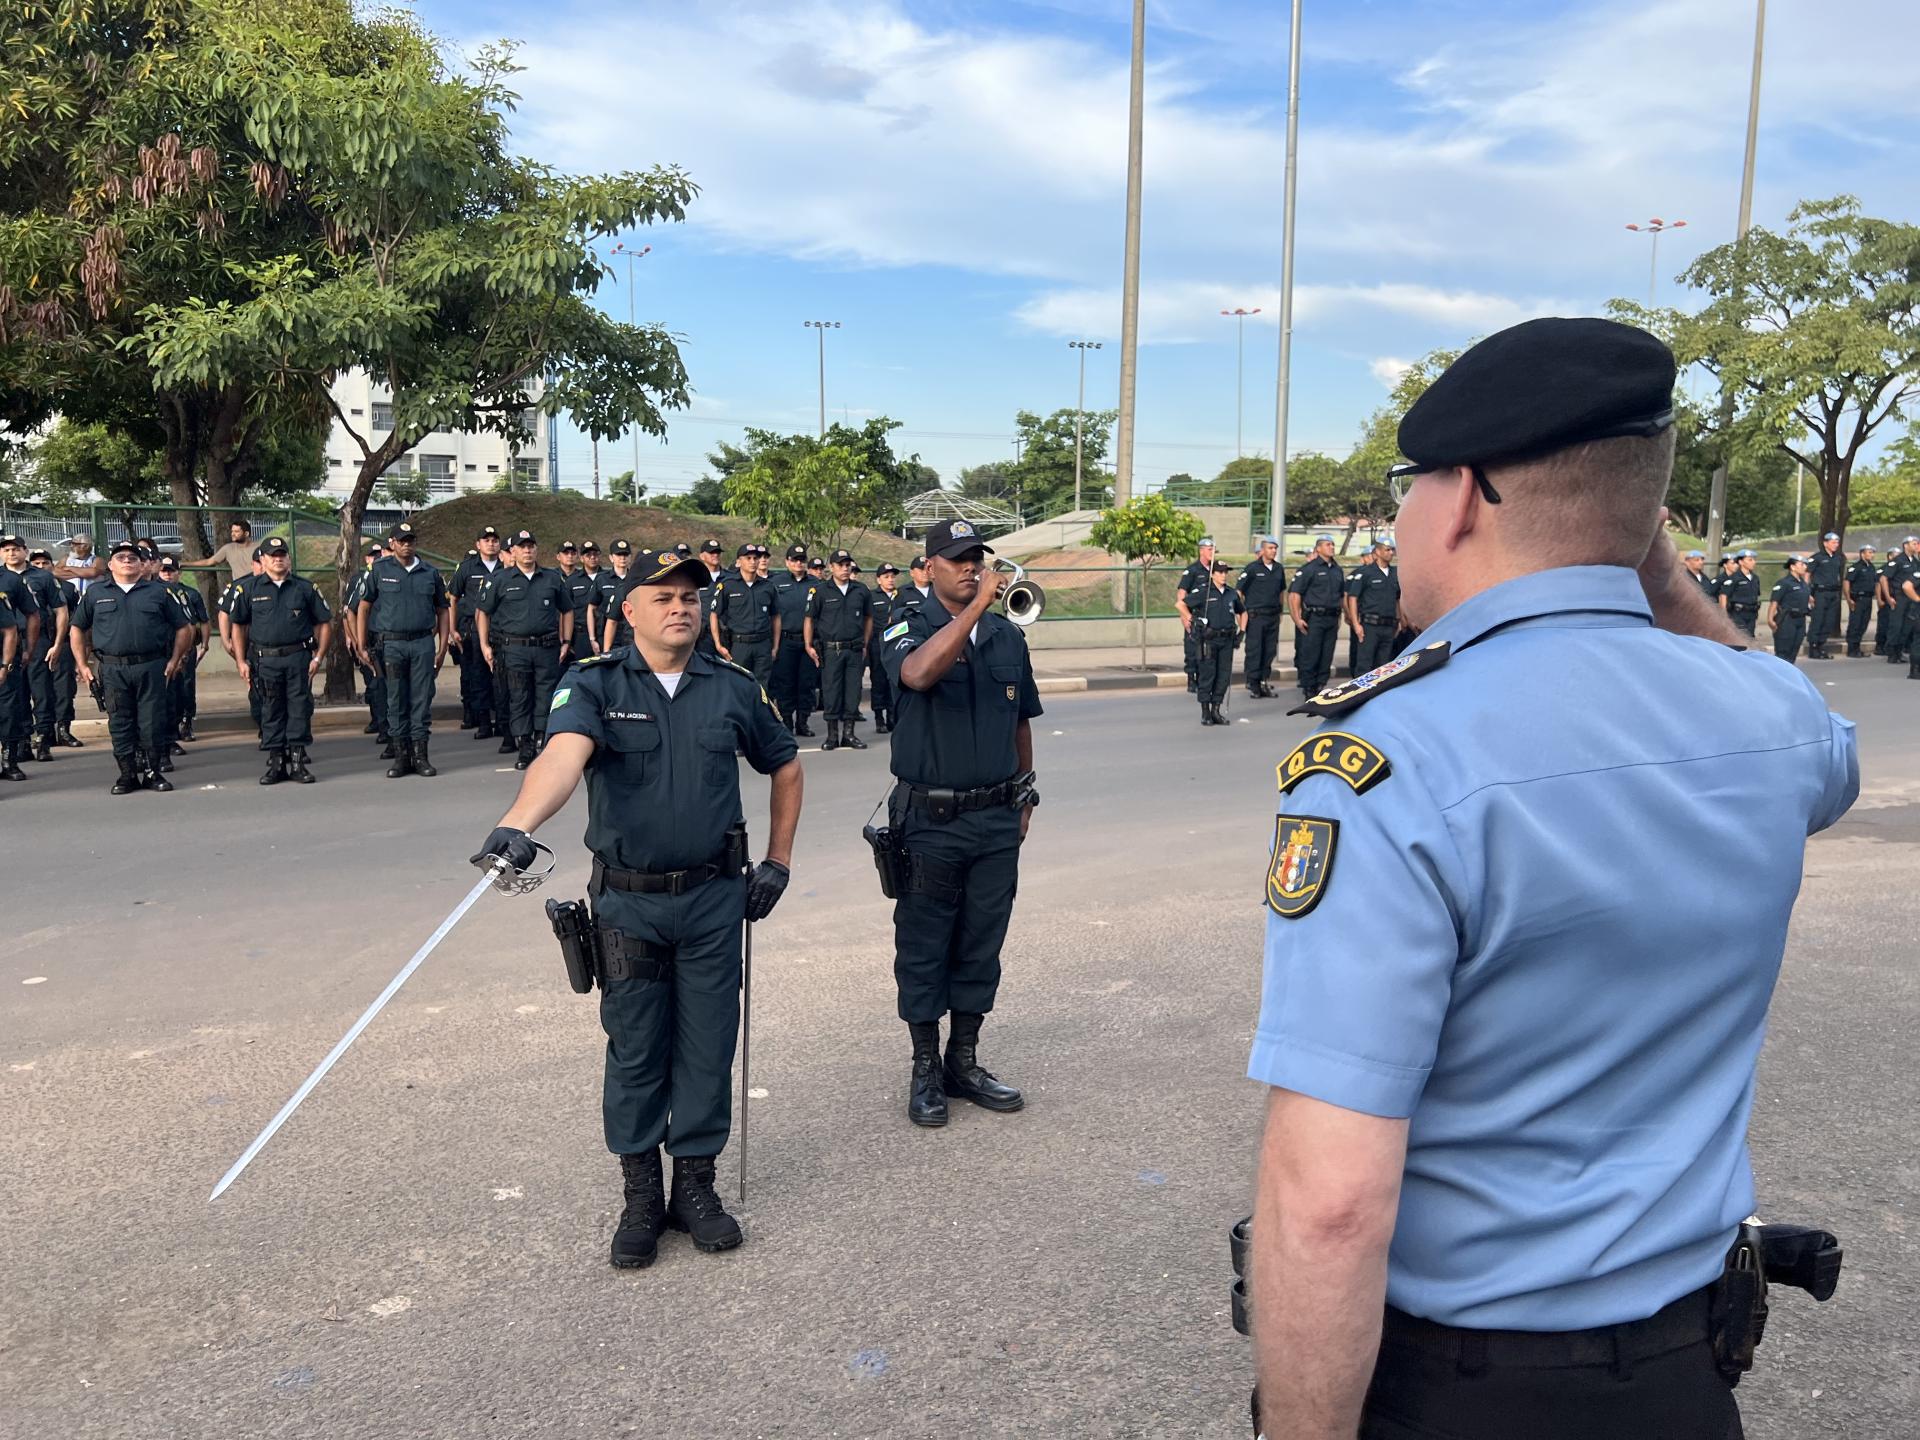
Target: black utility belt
<point x="1319" y="609"/>
<point x="1687" y="1321"/>
<point x="1743" y="609"/>
<point x="274" y="652"/>
<point x="400" y="637"/>
<point x="749" y="634"/>
<point x="1826" y="589"/>
<point x="130" y="659"/>
<point x="943" y="804"/>
<point x="732" y="861"/>
<point x="544" y="642"/>
<point x="842" y="644"/>
<point x="1269" y="613"/>
<point x="1378" y="619"/>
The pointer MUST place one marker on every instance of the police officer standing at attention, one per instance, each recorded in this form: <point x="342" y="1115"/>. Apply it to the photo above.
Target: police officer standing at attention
<point x="1863" y="583"/>
<point x="1195" y="578"/>
<point x="745" y="621"/>
<point x="525" y="619"/>
<point x="136" y="635"/>
<point x="1373" y="608"/>
<point x="1741" y="594"/>
<point x="16" y="704"/>
<point x="792" y="687"/>
<point x="60" y="658"/>
<point x="837" y="625"/>
<point x="578" y="584"/>
<point x="281" y="627"/>
<point x="885" y="579"/>
<point x="585" y="643"/>
<point x="478" y="691"/>
<point x="1696" y="563"/>
<point x="609" y="624"/>
<point x="1910" y="592"/>
<point x="1899" y="568"/>
<point x="655" y="729"/>
<point x="183" y="695"/>
<point x="1263" y="585"/>
<point x="410" y="615"/>
<point x="373" y="683"/>
<point x="1792" y="602"/>
<point x="37" y="701"/>
<point x="963" y="754"/>
<point x="1826" y="573"/>
<point x="1315" y="598"/>
<point x="1505" y="1165"/>
<point x="1216" y="617"/>
<point x="710" y="553"/>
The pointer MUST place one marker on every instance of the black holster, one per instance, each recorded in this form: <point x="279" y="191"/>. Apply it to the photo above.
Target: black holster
<point x="889" y="858"/>
<point x="735" y="859"/>
<point x="1738" y="1316"/>
<point x="628" y="957"/>
<point x="579" y="941"/>
<point x="98" y="691"/>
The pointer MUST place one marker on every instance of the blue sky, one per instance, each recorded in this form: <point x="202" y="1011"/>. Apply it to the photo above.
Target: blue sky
<point x="946" y="178"/>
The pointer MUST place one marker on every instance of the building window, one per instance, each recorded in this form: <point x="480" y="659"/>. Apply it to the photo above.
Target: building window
<point x="493" y="469"/>
<point x="526" y="472"/>
<point x="332" y="463"/>
<point x="470" y="468"/>
<point x="382" y="414"/>
<point x="356" y="410"/>
<point x="530" y="417"/>
<point x="439" y="484"/>
<point x="436" y="467"/>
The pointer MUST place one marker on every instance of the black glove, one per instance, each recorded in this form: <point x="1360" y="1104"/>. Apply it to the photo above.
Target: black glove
<point x="516" y="846"/>
<point x="764" y="888"/>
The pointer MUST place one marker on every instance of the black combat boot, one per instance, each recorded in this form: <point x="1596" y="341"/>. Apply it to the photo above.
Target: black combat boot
<point x="849" y="739"/>
<point x="276" y="768"/>
<point x="164" y="758"/>
<point x="153" y="778"/>
<point x="883" y="719"/>
<point x="525" y="757"/>
<point x="1206" y="713"/>
<point x="402" y="761"/>
<point x="421" y="764"/>
<point x="372" y="727"/>
<point x="186" y="731"/>
<point x="297" y="765"/>
<point x="10" y="763"/>
<point x="926" y="1098"/>
<point x="508" y="745"/>
<point x="1913" y="667"/>
<point x="800" y="726"/>
<point x="484" y="730"/>
<point x="964" y="1079"/>
<point x="129" y="780"/>
<point x="64" y="737"/>
<point x="696" y="1209"/>
<point x="387" y="751"/>
<point x="43" y="747"/>
<point x="832" y="742"/>
<point x="1193" y="686"/>
<point x="637" y="1238"/>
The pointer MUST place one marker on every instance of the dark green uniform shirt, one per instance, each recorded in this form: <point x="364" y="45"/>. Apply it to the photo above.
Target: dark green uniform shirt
<point x="469" y="578"/>
<point x="516" y="603"/>
<point x="960" y="734"/>
<point x="1319" y="584"/>
<point x="1264" y="586"/>
<point x="276" y="615"/>
<point x="139" y="621"/>
<point x="745" y="610"/>
<point x="663" y="786"/>
<point x="839" y="617"/>
<point x="1378" y="592"/>
<point x="791" y="596"/>
<point x="405" y="602"/>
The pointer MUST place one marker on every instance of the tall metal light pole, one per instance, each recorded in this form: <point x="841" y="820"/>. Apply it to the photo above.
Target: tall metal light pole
<point x="1278" y="500"/>
<point x="1653" y="229"/>
<point x="1130" y="283"/>
<point x="622" y="248"/>
<point x="1240" y="379"/>
<point x="822" y="326"/>
<point x="1080" y="411"/>
<point x="1717" y="495"/>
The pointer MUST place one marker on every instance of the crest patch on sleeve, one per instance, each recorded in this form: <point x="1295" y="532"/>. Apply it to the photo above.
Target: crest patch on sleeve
<point x="1302" y="863"/>
<point x="1333" y="752"/>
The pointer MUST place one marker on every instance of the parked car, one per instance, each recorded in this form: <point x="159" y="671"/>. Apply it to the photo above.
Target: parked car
<point x="168" y="544"/>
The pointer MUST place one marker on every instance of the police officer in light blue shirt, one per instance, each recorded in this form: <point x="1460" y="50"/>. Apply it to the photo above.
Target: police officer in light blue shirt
<point x="1516" y="1115"/>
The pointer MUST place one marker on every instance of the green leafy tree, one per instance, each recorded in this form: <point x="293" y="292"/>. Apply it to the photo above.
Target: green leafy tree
<point x="1043" y="476"/>
<point x="77" y="459"/>
<point x="408" y="489"/>
<point x="1815" y="334"/>
<point x="622" y="490"/>
<point x="800" y="489"/>
<point x="992" y="481"/>
<point x="1759" y="479"/>
<point x="1145" y="531"/>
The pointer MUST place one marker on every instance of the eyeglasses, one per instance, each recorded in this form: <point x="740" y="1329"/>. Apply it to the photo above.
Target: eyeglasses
<point x="1401" y="477"/>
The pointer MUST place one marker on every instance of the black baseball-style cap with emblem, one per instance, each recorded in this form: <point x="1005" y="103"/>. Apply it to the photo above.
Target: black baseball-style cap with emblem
<point x="1537" y="387"/>
<point x="487" y="532"/>
<point x="953" y="538"/>
<point x="565" y="547"/>
<point x="525" y="537"/>
<point x="816" y="563"/>
<point x="621" y="547"/>
<point x="402" y="531"/>
<point x="796" y="552"/>
<point x="590" y="548"/>
<point x="657" y="567"/>
<point x="746" y="551"/>
<point x="127" y="545"/>
<point x="887" y="567"/>
<point x="710" y="547"/>
<point x="842" y="557"/>
<point x="274" y="546"/>
<point x="683" y="550"/>
<point x="48" y="555"/>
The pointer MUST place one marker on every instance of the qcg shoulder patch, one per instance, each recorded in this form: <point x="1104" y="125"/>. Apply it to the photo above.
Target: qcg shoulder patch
<point x="1302" y="863"/>
<point x="1333" y="752"/>
<point x="1352" y="694"/>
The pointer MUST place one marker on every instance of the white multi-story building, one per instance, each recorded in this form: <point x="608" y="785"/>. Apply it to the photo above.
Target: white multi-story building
<point x="454" y="462"/>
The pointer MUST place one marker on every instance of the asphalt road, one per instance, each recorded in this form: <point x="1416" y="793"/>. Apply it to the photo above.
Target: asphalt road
<point x="422" y="1250"/>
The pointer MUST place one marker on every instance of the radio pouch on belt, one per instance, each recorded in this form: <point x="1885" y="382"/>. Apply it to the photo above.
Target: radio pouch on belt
<point x="736" y="860"/>
<point x="579" y="942"/>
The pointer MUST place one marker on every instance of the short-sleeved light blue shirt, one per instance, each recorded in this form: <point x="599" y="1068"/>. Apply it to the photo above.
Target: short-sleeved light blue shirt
<point x="1522" y="947"/>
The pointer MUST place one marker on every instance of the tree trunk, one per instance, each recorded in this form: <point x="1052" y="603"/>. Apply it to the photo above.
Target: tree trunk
<point x="346" y="565"/>
<point x="1836" y="494"/>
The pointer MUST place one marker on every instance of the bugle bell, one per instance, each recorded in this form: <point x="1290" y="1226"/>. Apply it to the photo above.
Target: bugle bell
<point x="1022" y="601"/>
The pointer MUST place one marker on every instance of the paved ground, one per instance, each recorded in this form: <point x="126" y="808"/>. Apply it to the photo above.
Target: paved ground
<point x="421" y="1251"/>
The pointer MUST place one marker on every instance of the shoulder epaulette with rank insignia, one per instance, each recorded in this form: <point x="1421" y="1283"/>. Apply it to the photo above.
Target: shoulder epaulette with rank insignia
<point x="734" y="666"/>
<point x="1352" y="694"/>
<point x="593" y="660"/>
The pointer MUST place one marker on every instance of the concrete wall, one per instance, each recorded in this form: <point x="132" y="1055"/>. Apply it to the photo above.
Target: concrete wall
<point x="1230" y="526"/>
<point x="1100" y="634"/>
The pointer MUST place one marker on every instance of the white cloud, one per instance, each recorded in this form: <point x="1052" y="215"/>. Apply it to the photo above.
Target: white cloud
<point x="1388" y="369"/>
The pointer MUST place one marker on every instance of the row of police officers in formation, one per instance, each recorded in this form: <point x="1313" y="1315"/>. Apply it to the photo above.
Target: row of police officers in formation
<point x="809" y="635"/>
<point x="1806" y="604"/>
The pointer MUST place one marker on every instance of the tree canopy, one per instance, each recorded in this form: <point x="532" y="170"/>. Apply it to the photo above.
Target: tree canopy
<point x="819" y="491"/>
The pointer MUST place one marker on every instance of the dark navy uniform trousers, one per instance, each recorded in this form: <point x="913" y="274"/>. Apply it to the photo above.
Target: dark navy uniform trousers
<point x="950" y="924"/>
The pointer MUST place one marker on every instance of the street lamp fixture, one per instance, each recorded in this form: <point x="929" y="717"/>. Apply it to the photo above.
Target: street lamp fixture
<point x="1653" y="229"/>
<point x="1239" y="378"/>
<point x="822" y="326"/>
<point x="1080" y="410"/>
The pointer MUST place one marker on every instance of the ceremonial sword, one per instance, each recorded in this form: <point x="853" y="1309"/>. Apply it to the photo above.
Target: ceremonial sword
<point x="500" y="875"/>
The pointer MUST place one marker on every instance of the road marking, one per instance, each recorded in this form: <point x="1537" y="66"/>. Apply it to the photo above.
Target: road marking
<point x="526" y="1009"/>
<point x="34" y="980"/>
<point x="392" y="1305"/>
<point x="756" y="1093"/>
<point x="508" y="1192"/>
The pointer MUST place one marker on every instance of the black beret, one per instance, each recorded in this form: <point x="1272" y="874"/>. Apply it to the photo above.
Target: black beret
<point x="1541" y="386"/>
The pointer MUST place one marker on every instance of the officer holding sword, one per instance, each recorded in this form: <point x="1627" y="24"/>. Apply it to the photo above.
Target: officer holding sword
<point x="655" y="728"/>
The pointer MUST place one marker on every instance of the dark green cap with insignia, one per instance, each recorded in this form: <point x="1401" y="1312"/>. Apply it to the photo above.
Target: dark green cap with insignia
<point x="1538" y="387"/>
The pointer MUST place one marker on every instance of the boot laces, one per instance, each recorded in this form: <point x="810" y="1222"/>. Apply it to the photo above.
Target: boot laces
<point x="697" y="1194"/>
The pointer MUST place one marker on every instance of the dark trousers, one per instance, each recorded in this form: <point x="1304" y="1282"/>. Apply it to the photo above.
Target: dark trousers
<point x="66" y="685"/>
<point x="1857" y="618"/>
<point x="409" y="669"/>
<point x="755" y="653"/>
<point x="1190" y="654"/>
<point x="1313" y="651"/>
<point x="670" y="1041"/>
<point x="950" y="923"/>
<point x="39" y="693"/>
<point x="1376" y="645"/>
<point x="183" y="694"/>
<point x="877" y="679"/>
<point x="1263" y="643"/>
<point x="530" y="672"/>
<point x="1436" y="1381"/>
<point x="286" y="700"/>
<point x="136" y="698"/>
<point x="1882" y="623"/>
<point x="1788" y="634"/>
<point x="840" y="681"/>
<point x="1216" y="668"/>
<point x="796" y="679"/>
<point x="1744" y="620"/>
<point x="13" y="689"/>
<point x="1826" y="617"/>
<point x="1900" y="632"/>
<point x="476" y="681"/>
<point x="374" y="684"/>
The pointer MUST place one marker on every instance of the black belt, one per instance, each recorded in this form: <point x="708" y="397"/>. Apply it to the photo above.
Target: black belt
<point x="1826" y="589"/>
<point x="641" y="882"/>
<point x="391" y="637"/>
<point x="545" y="642"/>
<point x="986" y="797"/>
<point x="755" y="635"/>
<point x="842" y="644"/>
<point x="1685" y="1322"/>
<point x="1377" y="619"/>
<point x="1744" y="609"/>
<point x="275" y="651"/>
<point x="1319" y="610"/>
<point x="1272" y="612"/>
<point x="129" y="659"/>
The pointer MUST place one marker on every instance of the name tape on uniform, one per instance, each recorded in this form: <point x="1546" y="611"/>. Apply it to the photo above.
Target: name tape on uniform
<point x="1333" y="752"/>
